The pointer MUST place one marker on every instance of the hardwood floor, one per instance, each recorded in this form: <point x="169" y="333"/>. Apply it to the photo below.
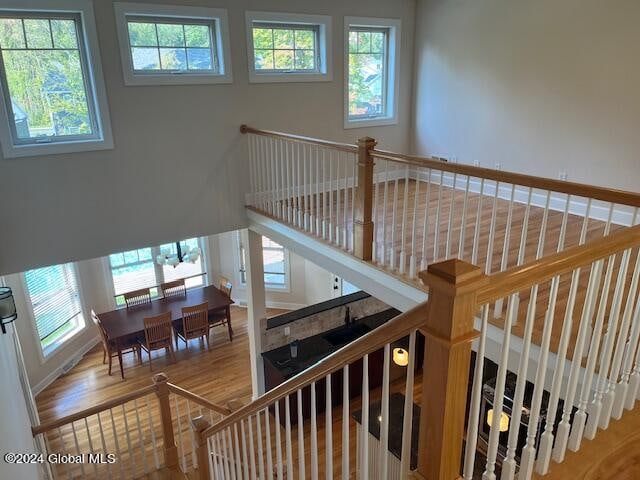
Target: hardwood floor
<point x="494" y="253"/>
<point x="221" y="375"/>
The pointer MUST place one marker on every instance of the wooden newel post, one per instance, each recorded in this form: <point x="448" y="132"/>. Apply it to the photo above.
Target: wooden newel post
<point x="170" y="449"/>
<point x="449" y="331"/>
<point x="363" y="224"/>
<point x="199" y="425"/>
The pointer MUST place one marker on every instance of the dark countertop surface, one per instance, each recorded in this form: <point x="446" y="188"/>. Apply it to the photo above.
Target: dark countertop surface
<point x="396" y="421"/>
<point x="313" y="309"/>
<point x="313" y="349"/>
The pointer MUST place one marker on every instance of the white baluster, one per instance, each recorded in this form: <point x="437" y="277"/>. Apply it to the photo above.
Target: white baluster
<point x="252" y="448"/>
<point x="345" y="206"/>
<point x="505" y="253"/>
<point x="463" y="220"/>
<point x="104" y="443"/>
<point x="183" y="457"/>
<point x="261" y="474"/>
<point x="328" y="430"/>
<point x="498" y="399"/>
<point x="376" y="197"/>
<point x="345" y="422"/>
<point x="562" y="432"/>
<point x="579" y="418"/>
<point x="412" y="259"/>
<point x="269" y="453"/>
<point x="452" y="205"/>
<point x="276" y="426"/>
<point x="236" y="456"/>
<point x="140" y="437"/>
<point x="476" y="231"/>
<point x="634" y="377"/>
<point x="407" y="418"/>
<point x="314" y="434"/>
<point x="287" y="423"/>
<point x="245" y="459"/>
<point x="88" y="431"/>
<point x="229" y="471"/>
<point x="323" y="187"/>
<point x="156" y="459"/>
<point x="603" y="402"/>
<point x="384" y="247"/>
<point x="75" y="441"/>
<point x="354" y="182"/>
<point x="436" y="223"/>
<point x="364" y="441"/>
<point x="425" y="226"/>
<point x="492" y="230"/>
<point x="403" y="234"/>
<point x="622" y="389"/>
<point x="64" y="451"/>
<point x="528" y="455"/>
<point x="546" y="440"/>
<point x="384" y="413"/>
<point x="300" y="428"/>
<point x="117" y="444"/>
<point x="338" y="195"/>
<point x="509" y="463"/>
<point x="476" y="398"/>
<point x="330" y="198"/>
<point x="128" y="437"/>
<point x="392" y="248"/>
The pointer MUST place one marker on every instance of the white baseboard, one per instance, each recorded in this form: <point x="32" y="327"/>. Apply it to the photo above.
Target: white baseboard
<point x="54" y="375"/>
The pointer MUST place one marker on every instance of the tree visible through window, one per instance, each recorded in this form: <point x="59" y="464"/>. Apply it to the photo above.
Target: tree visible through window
<point x="367" y="72"/>
<point x="45" y="73"/>
<point x="285" y="48"/>
<point x="163" y="46"/>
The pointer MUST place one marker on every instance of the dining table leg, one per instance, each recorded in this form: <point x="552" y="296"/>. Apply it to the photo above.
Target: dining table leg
<point x="119" y="347"/>
<point x="228" y="312"/>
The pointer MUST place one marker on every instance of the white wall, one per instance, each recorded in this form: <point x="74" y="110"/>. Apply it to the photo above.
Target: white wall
<point x="179" y="167"/>
<point x="15" y="431"/>
<point x="308" y="283"/>
<point x="538" y="86"/>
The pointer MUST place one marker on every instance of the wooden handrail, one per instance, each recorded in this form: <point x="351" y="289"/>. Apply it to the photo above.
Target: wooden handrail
<point x="345" y="147"/>
<point x="519" y="278"/>
<point x="578" y="189"/>
<point x="391" y="331"/>
<point x="198" y="399"/>
<point x="87" y="412"/>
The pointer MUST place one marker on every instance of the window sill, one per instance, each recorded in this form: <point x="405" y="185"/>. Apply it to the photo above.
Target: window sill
<point x="54" y="148"/>
<point x="177" y="79"/>
<point x="370" y="122"/>
<point x="49" y="350"/>
<point x="289" y="77"/>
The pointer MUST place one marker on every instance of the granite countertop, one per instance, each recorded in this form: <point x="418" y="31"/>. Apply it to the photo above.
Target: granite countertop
<point x="313" y="349"/>
<point x="289" y="317"/>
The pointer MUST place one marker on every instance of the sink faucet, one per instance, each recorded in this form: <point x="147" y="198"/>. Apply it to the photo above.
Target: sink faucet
<point x="347" y="316"/>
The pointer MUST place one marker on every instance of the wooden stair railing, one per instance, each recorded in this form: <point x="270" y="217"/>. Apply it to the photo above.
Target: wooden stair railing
<point x="132" y="435"/>
<point x="405" y="212"/>
<point x="566" y="394"/>
<point x="268" y="435"/>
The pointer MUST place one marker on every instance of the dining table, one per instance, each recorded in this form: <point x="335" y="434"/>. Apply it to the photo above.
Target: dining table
<point x="125" y="323"/>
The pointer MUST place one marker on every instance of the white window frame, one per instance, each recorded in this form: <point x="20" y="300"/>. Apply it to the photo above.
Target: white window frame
<point x="324" y="73"/>
<point x="46" y="353"/>
<point x="158" y="269"/>
<point x="218" y="16"/>
<point x="96" y="94"/>
<point x="392" y="82"/>
<point x="272" y="287"/>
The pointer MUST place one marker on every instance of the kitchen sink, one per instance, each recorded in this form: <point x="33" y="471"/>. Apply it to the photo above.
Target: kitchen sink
<point x="346" y="334"/>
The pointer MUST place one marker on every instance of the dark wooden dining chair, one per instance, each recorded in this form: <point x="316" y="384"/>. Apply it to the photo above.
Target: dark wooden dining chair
<point x="157" y="335"/>
<point x="194" y="324"/>
<point x="109" y="349"/>
<point x="174" y="289"/>
<point x="137" y="297"/>
<point x="221" y="317"/>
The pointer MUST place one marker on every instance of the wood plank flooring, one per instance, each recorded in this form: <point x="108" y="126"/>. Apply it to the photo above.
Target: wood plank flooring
<point x="451" y="231"/>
